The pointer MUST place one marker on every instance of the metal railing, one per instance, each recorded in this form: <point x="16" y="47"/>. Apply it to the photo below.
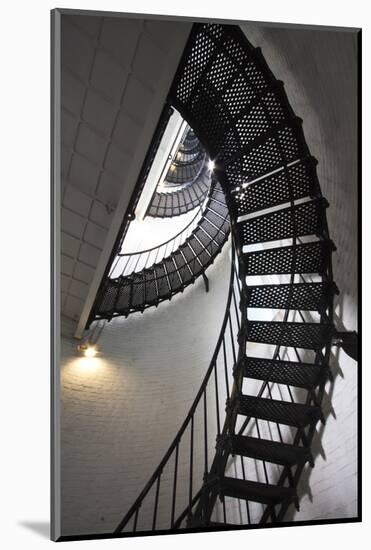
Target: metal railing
<point x="186" y="463"/>
<point x="133" y="262"/>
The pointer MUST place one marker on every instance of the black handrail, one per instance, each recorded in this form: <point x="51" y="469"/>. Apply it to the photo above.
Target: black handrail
<point x="214" y="475"/>
<point x="203" y="97"/>
<point x="173" y="238"/>
<point x="190" y="416"/>
<point x="148" y="286"/>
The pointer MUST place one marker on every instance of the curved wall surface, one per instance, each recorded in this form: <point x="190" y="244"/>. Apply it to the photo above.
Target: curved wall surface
<point x="318" y="68"/>
<point x="122" y="409"/>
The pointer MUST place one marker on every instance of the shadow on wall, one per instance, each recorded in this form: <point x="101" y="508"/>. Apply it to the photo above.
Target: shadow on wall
<point x="318" y="446"/>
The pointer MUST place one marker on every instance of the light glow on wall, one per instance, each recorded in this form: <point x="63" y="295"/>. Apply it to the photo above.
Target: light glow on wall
<point x="88" y="363"/>
<point x="90" y="351"/>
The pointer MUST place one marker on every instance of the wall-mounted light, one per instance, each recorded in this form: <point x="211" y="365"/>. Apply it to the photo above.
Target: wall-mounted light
<point x="88" y="350"/>
<point x="88" y="346"/>
<point x="211" y="165"/>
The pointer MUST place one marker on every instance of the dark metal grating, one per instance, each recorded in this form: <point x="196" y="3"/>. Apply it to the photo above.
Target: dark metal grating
<point x="301" y="375"/>
<point x="150" y="286"/>
<point x="241" y="114"/>
<point x="300" y="296"/>
<point x="138" y="288"/>
<point x="268" y="450"/>
<point x="173" y="276"/>
<point x="162" y="282"/>
<point x="299" y="335"/>
<point x="124" y="296"/>
<point x="180" y="200"/>
<point x="296" y="182"/>
<point x="283" y="412"/>
<point x="255" y="491"/>
<point x="304" y="258"/>
<point x="300" y="220"/>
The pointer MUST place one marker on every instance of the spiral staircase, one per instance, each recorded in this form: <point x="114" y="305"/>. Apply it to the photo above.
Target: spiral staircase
<point x="271" y="360"/>
<point x="186" y="183"/>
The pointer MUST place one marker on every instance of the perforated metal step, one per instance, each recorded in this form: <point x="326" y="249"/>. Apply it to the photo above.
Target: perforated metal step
<point x="292" y="373"/>
<point x="303" y="296"/>
<point x="300" y="220"/>
<point x="255" y="491"/>
<point x="148" y="287"/>
<point x="179" y="201"/>
<point x="300" y="335"/>
<point x="296" y="182"/>
<point x="280" y="145"/>
<point x="268" y="450"/>
<point x="282" y="412"/>
<point x="310" y="257"/>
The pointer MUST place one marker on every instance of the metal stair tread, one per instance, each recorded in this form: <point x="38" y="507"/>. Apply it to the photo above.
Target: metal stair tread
<point x="268" y="450"/>
<point x="282" y="412"/>
<point x="312" y="257"/>
<point x="306" y="296"/>
<point x="255" y="491"/>
<point x="298" y="220"/>
<point x="291" y="334"/>
<point x="292" y="373"/>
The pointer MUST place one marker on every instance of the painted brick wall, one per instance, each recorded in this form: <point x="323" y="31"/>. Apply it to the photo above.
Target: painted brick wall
<point x="121" y="410"/>
<point x="319" y="71"/>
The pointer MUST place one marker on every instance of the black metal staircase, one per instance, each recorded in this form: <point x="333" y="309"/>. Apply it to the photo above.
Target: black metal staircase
<point x="241" y="114"/>
<point x="149" y="286"/>
<point x="186" y="183"/>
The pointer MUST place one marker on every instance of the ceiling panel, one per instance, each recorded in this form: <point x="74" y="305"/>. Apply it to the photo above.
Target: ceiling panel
<point x="116" y="73"/>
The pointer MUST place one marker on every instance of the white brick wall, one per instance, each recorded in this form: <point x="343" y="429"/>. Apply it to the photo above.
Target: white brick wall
<point x="119" y="418"/>
<point x="122" y="410"/>
<point x="319" y="72"/>
<point x="116" y="74"/>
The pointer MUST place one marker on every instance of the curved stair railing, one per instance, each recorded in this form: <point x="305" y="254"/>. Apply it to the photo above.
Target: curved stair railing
<point x="152" y="285"/>
<point x="181" y="199"/>
<point x="133" y="262"/>
<point x="181" y="471"/>
<point x="240" y="112"/>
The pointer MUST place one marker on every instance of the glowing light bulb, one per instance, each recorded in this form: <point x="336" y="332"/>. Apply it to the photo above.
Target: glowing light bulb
<point x="90" y="351"/>
<point x="211" y="165"/>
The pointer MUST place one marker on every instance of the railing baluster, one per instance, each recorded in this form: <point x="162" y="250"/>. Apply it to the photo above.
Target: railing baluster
<point x="174" y="486"/>
<point x="127" y="262"/>
<point x="189" y="422"/>
<point x="191" y="467"/>
<point x="224" y="511"/>
<point x="156" y="503"/>
<point x="136" y="519"/>
<point x="244" y="477"/>
<point x="264" y="465"/>
<point x="114" y="265"/>
<point x="225" y="368"/>
<point x="217" y="397"/>
<point x="146" y="262"/>
<point x="205" y="435"/>
<point x="278" y="426"/>
<point x="287" y="386"/>
<point x="236" y="309"/>
<point x="138" y="258"/>
<point x="232" y="339"/>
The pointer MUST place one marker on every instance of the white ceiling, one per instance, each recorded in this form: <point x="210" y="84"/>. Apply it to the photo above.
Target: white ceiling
<point x="116" y="73"/>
